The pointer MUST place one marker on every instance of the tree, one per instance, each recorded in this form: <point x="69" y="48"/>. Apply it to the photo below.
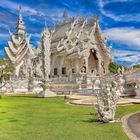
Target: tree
<point x="136" y="66"/>
<point x="6" y="71"/>
<point x="113" y="67"/>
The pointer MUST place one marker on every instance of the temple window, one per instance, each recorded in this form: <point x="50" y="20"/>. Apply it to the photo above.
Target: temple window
<point x="83" y="70"/>
<point x="55" y="71"/>
<point x="63" y="70"/>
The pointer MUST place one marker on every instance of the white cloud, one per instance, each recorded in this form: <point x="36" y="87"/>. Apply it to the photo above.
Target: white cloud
<point x="55" y="14"/>
<point x="129" y="61"/>
<point x="112" y="1"/>
<point x="127" y="58"/>
<point x="4" y="26"/>
<point x="127" y="17"/>
<point x="129" y="36"/>
<point x="105" y="13"/>
<point x="35" y="35"/>
<point x="124" y="53"/>
<point x="12" y="6"/>
<point x="4" y="35"/>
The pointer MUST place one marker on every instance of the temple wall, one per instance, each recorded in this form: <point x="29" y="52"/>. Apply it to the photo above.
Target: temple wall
<point x="76" y="65"/>
<point x="64" y="66"/>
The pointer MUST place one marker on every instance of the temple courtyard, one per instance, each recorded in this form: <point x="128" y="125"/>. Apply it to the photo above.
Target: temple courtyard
<point x="26" y="117"/>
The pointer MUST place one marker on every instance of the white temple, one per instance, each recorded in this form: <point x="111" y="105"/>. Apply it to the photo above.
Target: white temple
<point x="77" y="47"/>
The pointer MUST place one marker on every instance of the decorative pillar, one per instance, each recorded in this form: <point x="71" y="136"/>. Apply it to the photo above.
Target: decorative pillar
<point x="46" y="66"/>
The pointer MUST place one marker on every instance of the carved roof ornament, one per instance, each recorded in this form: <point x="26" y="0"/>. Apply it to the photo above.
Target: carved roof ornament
<point x="100" y="37"/>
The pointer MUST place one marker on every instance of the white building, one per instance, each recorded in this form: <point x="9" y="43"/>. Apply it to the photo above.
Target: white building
<point x="77" y="47"/>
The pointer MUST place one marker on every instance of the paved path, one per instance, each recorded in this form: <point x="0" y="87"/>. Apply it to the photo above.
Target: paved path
<point x="131" y="125"/>
<point x="91" y="100"/>
<point x="134" y="124"/>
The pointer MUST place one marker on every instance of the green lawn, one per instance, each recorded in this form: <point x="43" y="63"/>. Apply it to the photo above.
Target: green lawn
<point x="30" y="118"/>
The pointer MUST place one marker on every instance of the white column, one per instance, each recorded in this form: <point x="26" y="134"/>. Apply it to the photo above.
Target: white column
<point x="77" y="65"/>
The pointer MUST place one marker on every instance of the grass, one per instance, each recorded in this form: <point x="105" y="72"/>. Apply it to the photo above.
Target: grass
<point x="30" y="118"/>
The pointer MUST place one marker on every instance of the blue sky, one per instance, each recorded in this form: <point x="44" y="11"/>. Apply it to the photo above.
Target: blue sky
<point x="119" y="21"/>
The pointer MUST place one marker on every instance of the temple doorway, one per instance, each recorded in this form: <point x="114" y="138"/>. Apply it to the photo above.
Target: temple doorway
<point x="92" y="61"/>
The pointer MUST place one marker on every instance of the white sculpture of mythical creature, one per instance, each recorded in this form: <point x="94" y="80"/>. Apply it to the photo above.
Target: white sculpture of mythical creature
<point x="108" y="91"/>
<point x="45" y="61"/>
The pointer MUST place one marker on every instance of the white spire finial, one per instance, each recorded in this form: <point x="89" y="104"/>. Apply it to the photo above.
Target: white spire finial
<point x="20" y="23"/>
<point x="20" y="9"/>
<point x="65" y="14"/>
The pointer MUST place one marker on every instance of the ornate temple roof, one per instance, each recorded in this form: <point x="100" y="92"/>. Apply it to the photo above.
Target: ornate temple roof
<point x="17" y="47"/>
<point x="75" y="35"/>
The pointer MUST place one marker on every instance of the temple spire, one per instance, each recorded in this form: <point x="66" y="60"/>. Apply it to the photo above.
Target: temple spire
<point x="65" y="14"/>
<point x="20" y="24"/>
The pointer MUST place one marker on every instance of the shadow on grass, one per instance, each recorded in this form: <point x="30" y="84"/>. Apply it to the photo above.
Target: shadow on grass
<point x="94" y="121"/>
<point x="25" y="96"/>
<point x="91" y="121"/>
<point x="13" y="120"/>
<point x="2" y="112"/>
<point x="30" y="96"/>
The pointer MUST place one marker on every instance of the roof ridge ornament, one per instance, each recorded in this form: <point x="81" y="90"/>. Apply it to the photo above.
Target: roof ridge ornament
<point x="65" y="15"/>
<point x="96" y="19"/>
